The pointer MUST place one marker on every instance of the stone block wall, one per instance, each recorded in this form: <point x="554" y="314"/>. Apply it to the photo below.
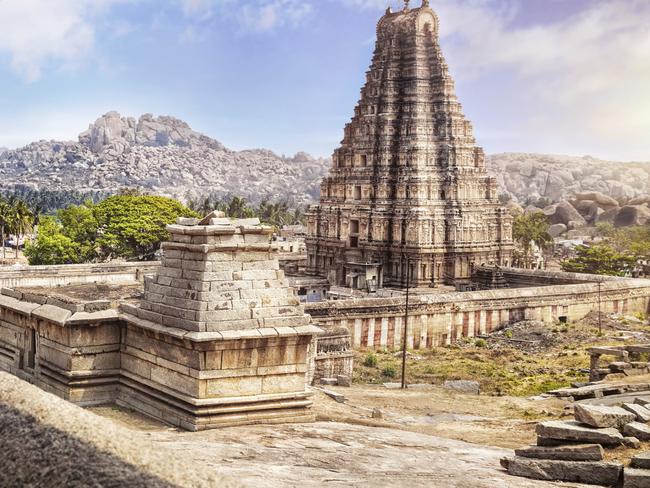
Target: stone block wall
<point x="335" y="356"/>
<point x="441" y="319"/>
<point x="72" y="274"/>
<point x="220" y="335"/>
<point x="74" y="355"/>
<point x="219" y="339"/>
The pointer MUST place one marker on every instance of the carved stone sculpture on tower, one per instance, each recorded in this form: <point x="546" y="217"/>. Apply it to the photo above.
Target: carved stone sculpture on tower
<point x="408" y="183"/>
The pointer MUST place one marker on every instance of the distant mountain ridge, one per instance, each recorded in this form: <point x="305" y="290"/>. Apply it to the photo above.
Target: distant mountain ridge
<point x="165" y="156"/>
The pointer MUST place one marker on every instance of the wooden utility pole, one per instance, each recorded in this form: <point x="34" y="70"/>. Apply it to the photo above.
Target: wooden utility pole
<point x="406" y="321"/>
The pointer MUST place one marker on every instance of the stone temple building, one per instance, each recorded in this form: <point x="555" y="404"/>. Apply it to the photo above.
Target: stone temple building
<point x="216" y="338"/>
<point x="408" y="183"/>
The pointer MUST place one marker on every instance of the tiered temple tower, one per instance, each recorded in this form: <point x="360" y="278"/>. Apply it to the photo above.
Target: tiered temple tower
<point x="408" y="182"/>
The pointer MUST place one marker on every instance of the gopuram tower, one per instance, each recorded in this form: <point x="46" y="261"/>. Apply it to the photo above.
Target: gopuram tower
<point x="408" y="183"/>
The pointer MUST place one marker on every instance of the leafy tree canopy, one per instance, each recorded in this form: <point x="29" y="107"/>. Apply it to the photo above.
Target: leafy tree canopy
<point x="122" y="226"/>
<point x="531" y="227"/>
<point x="52" y="246"/>
<point x="600" y="259"/>
<point x="134" y="226"/>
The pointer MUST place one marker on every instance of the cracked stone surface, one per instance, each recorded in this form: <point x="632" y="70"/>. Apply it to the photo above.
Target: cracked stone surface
<point x="338" y="454"/>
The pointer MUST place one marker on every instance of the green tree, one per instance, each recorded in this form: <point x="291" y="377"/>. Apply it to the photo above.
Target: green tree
<point x="632" y="240"/>
<point x="134" y="226"/>
<point x="238" y="209"/>
<point x="52" y="246"/>
<point x="81" y="226"/>
<point x="600" y="259"/>
<point x="528" y="228"/>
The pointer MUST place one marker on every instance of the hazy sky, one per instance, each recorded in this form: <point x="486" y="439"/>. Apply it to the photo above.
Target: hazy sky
<point x="556" y="76"/>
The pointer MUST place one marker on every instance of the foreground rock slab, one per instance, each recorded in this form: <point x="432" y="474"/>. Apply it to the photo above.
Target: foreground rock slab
<point x="600" y="416"/>
<point x="578" y="452"/>
<point x="641" y="413"/>
<point x="638" y="430"/>
<point x="576" y="432"/>
<point x="636" y="478"/>
<point x="641" y="461"/>
<point x="632" y="442"/>
<point x="594" y="473"/>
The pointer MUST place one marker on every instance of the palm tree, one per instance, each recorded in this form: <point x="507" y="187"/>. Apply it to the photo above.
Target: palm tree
<point x="5" y="215"/>
<point x="238" y="208"/>
<point x="22" y="221"/>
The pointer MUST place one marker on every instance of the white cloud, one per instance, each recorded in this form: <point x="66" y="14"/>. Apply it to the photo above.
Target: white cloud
<point x="202" y="9"/>
<point x="253" y="16"/>
<point x="264" y="16"/>
<point x="584" y="78"/>
<point x="35" y="32"/>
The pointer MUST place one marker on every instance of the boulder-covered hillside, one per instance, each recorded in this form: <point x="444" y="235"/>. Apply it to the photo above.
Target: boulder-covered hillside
<point x="529" y="177"/>
<point x="160" y="154"/>
<point x="164" y="155"/>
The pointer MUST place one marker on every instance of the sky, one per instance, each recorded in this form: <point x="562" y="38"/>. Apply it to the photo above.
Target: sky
<point x="546" y="76"/>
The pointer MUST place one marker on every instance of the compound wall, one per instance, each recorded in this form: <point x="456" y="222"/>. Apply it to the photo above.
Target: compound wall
<point x="441" y="319"/>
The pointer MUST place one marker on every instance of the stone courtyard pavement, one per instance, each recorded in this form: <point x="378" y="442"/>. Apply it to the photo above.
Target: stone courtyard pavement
<point x="338" y="454"/>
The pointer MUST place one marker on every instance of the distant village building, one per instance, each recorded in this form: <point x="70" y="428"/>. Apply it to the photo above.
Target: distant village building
<point x="408" y="183"/>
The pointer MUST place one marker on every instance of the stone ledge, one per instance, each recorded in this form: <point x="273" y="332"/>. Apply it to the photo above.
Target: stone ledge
<point x="127" y="315"/>
<point x="226" y="229"/>
<point x="207" y="248"/>
<point x="81" y="318"/>
<point x="23" y="308"/>
<point x="53" y="314"/>
<point x="127" y="379"/>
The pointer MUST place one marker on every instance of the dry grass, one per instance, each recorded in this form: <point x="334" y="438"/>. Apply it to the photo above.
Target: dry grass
<point x="504" y="369"/>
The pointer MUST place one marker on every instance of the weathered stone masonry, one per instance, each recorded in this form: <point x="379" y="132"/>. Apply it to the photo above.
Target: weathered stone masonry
<point x="219" y="338"/>
<point x="408" y="182"/>
<point x="441" y="319"/>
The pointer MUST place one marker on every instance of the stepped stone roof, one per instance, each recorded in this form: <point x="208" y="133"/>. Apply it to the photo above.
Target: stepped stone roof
<point x="221" y="276"/>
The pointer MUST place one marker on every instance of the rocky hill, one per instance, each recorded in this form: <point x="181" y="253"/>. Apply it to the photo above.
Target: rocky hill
<point x="160" y="154"/>
<point x="164" y="155"/>
<point x="531" y="177"/>
<point x="573" y="192"/>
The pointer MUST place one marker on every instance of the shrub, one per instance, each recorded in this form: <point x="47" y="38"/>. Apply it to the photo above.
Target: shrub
<point x="370" y="360"/>
<point x="389" y="371"/>
<point x="480" y="343"/>
<point x="508" y="334"/>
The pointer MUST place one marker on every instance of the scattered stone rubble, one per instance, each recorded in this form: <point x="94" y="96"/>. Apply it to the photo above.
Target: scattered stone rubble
<point x="628" y="361"/>
<point x="573" y="451"/>
<point x="598" y="390"/>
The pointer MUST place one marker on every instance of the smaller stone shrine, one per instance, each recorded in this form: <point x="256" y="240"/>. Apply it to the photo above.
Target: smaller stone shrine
<point x="220" y="338"/>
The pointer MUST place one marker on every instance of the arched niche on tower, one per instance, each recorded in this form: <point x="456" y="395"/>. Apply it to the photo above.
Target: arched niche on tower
<point x="427" y="21"/>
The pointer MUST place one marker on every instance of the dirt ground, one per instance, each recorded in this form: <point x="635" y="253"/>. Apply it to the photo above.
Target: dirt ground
<point x="428" y="437"/>
<point x="524" y="359"/>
